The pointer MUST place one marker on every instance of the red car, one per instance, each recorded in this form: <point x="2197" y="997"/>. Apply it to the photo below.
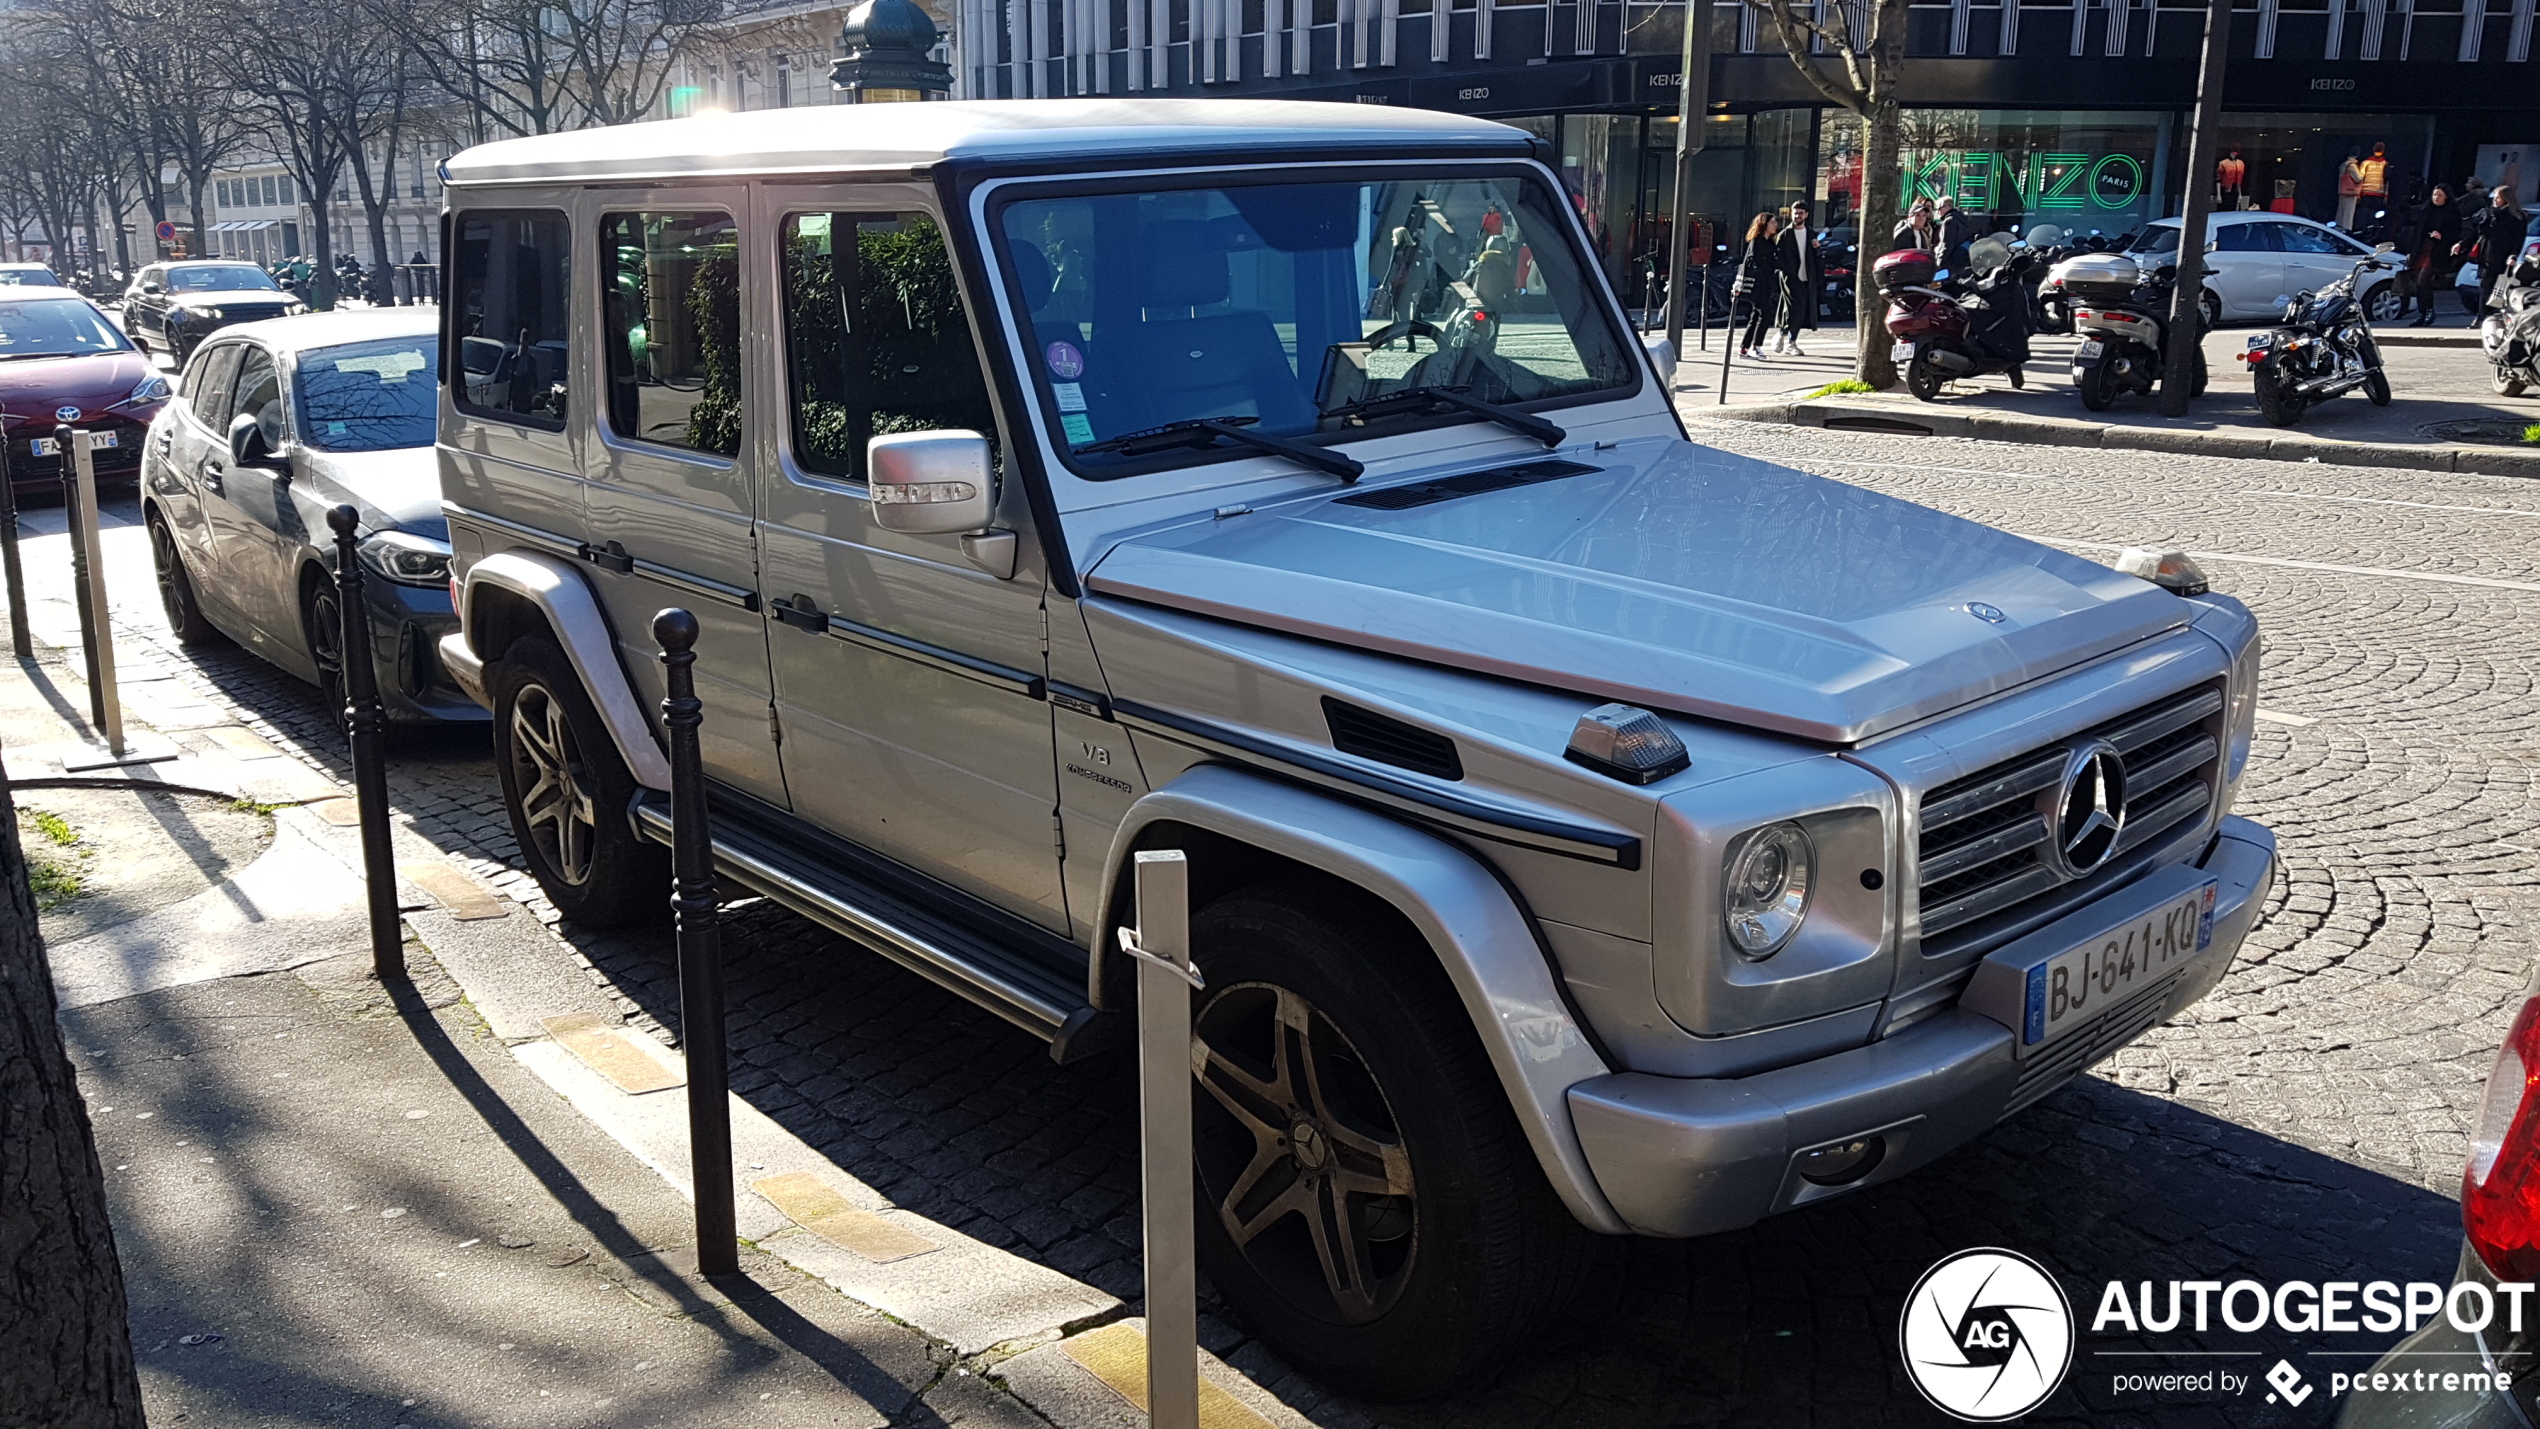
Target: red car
<point x="63" y="361"/>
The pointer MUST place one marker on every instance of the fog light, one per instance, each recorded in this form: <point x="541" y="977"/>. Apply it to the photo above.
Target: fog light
<point x="1844" y="1162"/>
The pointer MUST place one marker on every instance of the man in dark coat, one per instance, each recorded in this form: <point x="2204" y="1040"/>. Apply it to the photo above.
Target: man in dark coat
<point x="1955" y="231"/>
<point x="1795" y="255"/>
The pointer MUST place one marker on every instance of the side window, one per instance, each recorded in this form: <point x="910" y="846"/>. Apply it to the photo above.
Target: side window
<point x="207" y="384"/>
<point x="510" y="316"/>
<point x="876" y="339"/>
<point x="259" y="394"/>
<point x="670" y="319"/>
<point x="2241" y="238"/>
<point x="2298" y="239"/>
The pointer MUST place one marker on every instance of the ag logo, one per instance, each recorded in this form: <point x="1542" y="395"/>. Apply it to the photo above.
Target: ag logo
<point x="1987" y="1335"/>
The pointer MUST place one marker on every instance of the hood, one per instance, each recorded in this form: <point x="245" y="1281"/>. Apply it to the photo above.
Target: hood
<point x="1675" y="576"/>
<point x="36" y="387"/>
<point x="399" y="488"/>
<point x="215" y="297"/>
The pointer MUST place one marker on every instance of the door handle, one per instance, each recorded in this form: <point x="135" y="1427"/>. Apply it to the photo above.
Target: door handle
<point x="212" y="477"/>
<point x="800" y="613"/>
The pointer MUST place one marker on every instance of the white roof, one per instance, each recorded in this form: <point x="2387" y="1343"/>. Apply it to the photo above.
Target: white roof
<point x="845" y="137"/>
<point x="343" y="325"/>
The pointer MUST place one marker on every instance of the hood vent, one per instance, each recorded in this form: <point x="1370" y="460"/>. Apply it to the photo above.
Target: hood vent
<point x="1429" y="493"/>
<point x="1387" y="740"/>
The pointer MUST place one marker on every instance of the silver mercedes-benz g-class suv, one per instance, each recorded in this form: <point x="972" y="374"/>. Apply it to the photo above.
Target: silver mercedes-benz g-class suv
<point x="1591" y="831"/>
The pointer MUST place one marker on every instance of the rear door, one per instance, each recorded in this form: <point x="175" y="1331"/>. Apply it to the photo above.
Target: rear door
<point x="185" y="443"/>
<point x="669" y="507"/>
<point x="912" y="700"/>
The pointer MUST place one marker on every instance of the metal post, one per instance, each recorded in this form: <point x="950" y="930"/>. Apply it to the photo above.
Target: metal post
<point x="1161" y="947"/>
<point x="700" y="950"/>
<point x="368" y="727"/>
<point x="1693" y="100"/>
<point x="21" y="640"/>
<point x="88" y="574"/>
<point x="2178" y="366"/>
<point x="1702" y="306"/>
<point x="1725" y="329"/>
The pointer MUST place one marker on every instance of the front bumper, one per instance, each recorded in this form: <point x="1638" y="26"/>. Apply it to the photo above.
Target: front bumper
<point x="407" y="626"/>
<point x="1685" y="1157"/>
<point x="465" y="669"/>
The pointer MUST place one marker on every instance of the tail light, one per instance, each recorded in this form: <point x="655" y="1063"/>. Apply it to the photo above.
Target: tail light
<point x="2500" y="1195"/>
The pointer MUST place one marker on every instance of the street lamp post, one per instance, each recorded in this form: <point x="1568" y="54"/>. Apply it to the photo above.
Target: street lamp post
<point x="1693" y="101"/>
<point x="889" y="57"/>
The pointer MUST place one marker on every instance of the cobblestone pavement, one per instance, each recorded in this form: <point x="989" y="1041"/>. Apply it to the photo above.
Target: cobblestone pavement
<point x="2308" y="1121"/>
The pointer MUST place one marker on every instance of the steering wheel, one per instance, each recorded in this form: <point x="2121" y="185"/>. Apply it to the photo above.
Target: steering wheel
<point x="1411" y="327"/>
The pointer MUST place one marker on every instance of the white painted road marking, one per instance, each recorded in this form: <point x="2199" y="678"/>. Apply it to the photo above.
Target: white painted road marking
<point x="2308" y="565"/>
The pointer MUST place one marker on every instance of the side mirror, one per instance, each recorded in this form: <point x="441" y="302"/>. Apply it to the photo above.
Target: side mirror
<point x="152" y="288"/>
<point x="247" y="445"/>
<point x="929" y="483"/>
<point x="1662" y="355"/>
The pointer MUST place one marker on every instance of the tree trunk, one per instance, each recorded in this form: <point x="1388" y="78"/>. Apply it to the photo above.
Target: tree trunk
<point x="1880" y="150"/>
<point x="65" y="1347"/>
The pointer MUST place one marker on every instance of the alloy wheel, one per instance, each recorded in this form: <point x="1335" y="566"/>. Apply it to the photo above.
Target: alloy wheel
<point x="547" y="769"/>
<point x="1300" y="1154"/>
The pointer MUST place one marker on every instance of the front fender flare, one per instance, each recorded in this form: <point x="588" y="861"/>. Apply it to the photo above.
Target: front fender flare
<point x="1489" y="949"/>
<point x="564" y="597"/>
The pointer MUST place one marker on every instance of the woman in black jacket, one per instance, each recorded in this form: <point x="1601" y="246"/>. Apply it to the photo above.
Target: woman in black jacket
<point x="2430" y="262"/>
<point x="1758" y="284"/>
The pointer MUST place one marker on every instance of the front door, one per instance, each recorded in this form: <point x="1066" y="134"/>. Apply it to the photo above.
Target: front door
<point x="2248" y="272"/>
<point x="252" y="503"/>
<point x="908" y="677"/>
<point x="669" y="508"/>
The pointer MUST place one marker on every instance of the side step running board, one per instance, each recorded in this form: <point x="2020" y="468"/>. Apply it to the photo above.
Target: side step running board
<point x="1025" y="990"/>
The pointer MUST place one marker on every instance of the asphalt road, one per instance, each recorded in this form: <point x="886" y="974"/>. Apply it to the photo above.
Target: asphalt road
<point x="2307" y="1122"/>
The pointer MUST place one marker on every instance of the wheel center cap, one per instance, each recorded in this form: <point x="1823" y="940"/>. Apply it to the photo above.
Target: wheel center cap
<point x="1313" y="1151"/>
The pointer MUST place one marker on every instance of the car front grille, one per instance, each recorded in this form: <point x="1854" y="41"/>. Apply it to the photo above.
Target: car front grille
<point x="1987" y="876"/>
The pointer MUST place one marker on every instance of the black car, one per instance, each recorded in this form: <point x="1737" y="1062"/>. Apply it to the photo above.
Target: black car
<point x="177" y="305"/>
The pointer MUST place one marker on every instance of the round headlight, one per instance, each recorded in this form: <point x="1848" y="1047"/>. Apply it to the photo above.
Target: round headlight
<point x="1765" y="894"/>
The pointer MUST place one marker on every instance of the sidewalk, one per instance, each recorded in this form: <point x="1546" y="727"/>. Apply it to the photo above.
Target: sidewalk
<point x="465" y="1203"/>
<point x="2439" y="376"/>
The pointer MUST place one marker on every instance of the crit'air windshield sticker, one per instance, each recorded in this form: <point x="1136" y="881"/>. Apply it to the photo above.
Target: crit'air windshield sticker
<point x="1071" y="398"/>
<point x="1065" y="362"/>
<point x="1079" y="429"/>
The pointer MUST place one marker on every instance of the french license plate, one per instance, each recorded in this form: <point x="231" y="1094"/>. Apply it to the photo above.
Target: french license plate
<point x="52" y="446"/>
<point x="2089" y="350"/>
<point x="2070" y="989"/>
<point x="1902" y="352"/>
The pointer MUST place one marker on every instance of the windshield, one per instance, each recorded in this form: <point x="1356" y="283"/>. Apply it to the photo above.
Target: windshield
<point x="28" y="278"/>
<point x="55" y="327"/>
<point x="224" y="277"/>
<point x="369" y="396"/>
<point x="2156" y="240"/>
<point x="1277" y="305"/>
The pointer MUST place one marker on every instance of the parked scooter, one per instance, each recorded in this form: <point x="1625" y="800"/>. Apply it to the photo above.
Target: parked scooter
<point x="2323" y="349"/>
<point x="1941" y="335"/>
<point x="2048" y="310"/>
<point x="2122" y="315"/>
<point x="2510" y="329"/>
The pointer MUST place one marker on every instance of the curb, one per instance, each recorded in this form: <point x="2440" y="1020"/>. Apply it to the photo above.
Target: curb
<point x="2042" y="431"/>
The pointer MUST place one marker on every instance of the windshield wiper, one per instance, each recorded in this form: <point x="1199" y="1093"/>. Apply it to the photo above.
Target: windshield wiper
<point x="1204" y="431"/>
<point x="1431" y="397"/>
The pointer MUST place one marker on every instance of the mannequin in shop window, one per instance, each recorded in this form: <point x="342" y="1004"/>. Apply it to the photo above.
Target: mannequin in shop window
<point x="2373" y="188"/>
<point x="2231" y="182"/>
<point x="2350" y="187"/>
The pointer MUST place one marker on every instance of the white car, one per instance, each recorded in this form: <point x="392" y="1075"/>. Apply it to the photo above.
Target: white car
<point x="2255" y="261"/>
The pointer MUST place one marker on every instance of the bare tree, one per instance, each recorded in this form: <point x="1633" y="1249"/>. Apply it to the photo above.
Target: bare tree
<point x="306" y="100"/>
<point x="1852" y="52"/>
<point x="380" y="127"/>
<point x="622" y="53"/>
<point x="65" y="1342"/>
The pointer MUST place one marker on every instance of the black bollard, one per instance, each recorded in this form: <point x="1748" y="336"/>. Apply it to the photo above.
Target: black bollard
<point x="20" y="640"/>
<point x="368" y="724"/>
<point x="700" y="950"/>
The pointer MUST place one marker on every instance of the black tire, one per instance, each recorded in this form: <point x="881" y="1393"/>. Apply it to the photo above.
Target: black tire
<point x="1922" y="378"/>
<point x="321" y="625"/>
<point x="176" y="587"/>
<point x="2204" y="374"/>
<point x="2018" y="379"/>
<point x="1458" y="1251"/>
<point x="2377" y="387"/>
<point x="2097" y="385"/>
<point x="2507" y="382"/>
<point x="550" y="746"/>
<point x="2209" y="307"/>
<point x="2277" y="406"/>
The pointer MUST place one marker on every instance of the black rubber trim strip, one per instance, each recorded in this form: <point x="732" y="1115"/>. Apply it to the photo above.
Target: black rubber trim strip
<point x="561" y="545"/>
<point x="724" y="591"/>
<point x="1081" y="700"/>
<point x="953" y="662"/>
<point x="1469" y="816"/>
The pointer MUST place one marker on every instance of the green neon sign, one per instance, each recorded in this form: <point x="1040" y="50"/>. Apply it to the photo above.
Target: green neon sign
<point x="1988" y="181"/>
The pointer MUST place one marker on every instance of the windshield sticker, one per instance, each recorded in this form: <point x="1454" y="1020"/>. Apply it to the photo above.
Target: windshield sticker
<point x="335" y="429"/>
<point x="386" y="366"/>
<point x="1071" y="397"/>
<point x="1079" y="429"/>
<point x="1066" y="363"/>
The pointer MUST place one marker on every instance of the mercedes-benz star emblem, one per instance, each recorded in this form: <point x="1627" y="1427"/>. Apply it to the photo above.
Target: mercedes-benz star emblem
<point x="2089" y="810"/>
<point x="1989" y="614"/>
<point x="66" y="414"/>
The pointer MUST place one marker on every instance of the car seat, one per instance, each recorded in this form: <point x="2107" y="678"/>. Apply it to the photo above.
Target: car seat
<point x="1186" y="363"/>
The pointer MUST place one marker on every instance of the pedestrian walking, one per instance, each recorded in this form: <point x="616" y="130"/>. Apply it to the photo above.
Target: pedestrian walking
<point x="2430" y="261"/>
<point x="1795" y="257"/>
<point x="2492" y="239"/>
<point x="1916" y="231"/>
<point x="1952" y="231"/>
<point x="1758" y="284"/>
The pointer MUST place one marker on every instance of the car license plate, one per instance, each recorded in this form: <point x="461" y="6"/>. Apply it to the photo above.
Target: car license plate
<point x="2069" y="990"/>
<point x="1902" y="352"/>
<point x="52" y="446"/>
<point x="2089" y="350"/>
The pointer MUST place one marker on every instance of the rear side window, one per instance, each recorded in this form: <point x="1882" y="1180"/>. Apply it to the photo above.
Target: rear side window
<point x="670" y="317"/>
<point x="510" y="316"/>
<point x="876" y="339"/>
<point x="207" y="386"/>
<point x="2298" y="239"/>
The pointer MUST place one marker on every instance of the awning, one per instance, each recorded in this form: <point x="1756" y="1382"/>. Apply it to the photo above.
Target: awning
<point x="242" y="225"/>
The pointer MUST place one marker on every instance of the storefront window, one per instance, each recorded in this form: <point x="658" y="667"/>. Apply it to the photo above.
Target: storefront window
<point x="2354" y="170"/>
<point x="2013" y="169"/>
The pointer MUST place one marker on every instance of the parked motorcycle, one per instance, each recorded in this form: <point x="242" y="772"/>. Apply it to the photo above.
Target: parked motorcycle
<point x="2048" y="310"/>
<point x="2323" y="349"/>
<point x="2121" y="313"/>
<point x="1943" y="335"/>
<point x="2509" y="331"/>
